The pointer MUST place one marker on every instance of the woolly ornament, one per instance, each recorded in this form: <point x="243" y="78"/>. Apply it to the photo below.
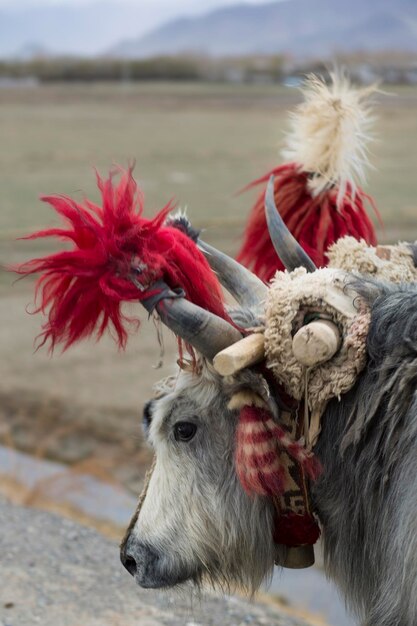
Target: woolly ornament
<point x="292" y="298"/>
<point x="317" y="190"/>
<point x="395" y="263"/>
<point x="81" y="289"/>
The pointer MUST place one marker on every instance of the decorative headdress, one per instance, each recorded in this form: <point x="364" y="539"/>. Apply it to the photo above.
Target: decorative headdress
<point x="118" y="255"/>
<point x="317" y="189"/>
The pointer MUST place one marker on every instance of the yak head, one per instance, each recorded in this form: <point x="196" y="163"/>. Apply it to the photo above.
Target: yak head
<point x="195" y="522"/>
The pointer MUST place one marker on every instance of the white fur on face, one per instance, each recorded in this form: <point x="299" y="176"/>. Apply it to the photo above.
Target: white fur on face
<point x="196" y="515"/>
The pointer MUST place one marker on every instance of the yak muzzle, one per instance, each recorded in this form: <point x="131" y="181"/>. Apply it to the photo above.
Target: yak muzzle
<point x="149" y="567"/>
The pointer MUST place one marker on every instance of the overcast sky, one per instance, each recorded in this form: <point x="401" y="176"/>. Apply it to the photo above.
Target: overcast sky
<point x="158" y="6"/>
<point x="48" y="22"/>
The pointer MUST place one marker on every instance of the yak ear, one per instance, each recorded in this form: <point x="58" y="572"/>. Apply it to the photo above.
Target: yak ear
<point x="254" y="383"/>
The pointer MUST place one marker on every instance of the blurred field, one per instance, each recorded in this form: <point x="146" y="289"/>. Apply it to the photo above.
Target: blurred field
<point x="196" y="143"/>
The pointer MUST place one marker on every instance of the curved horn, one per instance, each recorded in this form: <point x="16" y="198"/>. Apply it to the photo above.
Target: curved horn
<point x="286" y="246"/>
<point x="206" y="332"/>
<point x="247" y="288"/>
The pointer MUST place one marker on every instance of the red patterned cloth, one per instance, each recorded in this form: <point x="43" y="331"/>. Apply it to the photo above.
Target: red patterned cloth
<point x="270" y="462"/>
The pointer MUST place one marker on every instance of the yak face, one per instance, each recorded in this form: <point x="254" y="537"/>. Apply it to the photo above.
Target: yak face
<point x="196" y="523"/>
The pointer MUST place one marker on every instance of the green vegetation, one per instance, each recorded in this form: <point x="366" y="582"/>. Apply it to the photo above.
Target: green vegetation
<point x="175" y="68"/>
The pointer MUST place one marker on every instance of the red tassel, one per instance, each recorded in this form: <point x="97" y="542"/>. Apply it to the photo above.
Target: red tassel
<point x="296" y="530"/>
<point x="83" y="287"/>
<point x="316" y="223"/>
<point x="259" y="443"/>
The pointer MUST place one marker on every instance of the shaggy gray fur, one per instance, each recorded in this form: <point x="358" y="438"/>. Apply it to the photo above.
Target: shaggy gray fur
<point x="203" y="525"/>
<point x="367" y="498"/>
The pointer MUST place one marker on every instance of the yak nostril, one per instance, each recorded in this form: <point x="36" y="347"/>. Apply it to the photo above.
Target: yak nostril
<point x="129" y="563"/>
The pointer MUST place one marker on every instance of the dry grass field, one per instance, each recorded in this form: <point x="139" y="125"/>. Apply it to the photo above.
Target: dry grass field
<point x="196" y="143"/>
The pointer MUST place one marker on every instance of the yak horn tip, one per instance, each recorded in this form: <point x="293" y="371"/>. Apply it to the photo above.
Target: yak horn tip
<point x="286" y="246"/>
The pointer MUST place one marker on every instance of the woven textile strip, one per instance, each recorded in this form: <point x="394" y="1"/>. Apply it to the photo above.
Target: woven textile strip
<point x="271" y="461"/>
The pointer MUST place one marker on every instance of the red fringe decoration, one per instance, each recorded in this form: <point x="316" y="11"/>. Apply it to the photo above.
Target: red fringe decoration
<point x="296" y="530"/>
<point x="83" y="288"/>
<point x="316" y="223"/>
<point x="259" y="443"/>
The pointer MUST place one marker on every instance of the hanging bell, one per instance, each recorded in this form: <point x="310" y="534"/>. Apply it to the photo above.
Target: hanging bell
<point x="300" y="557"/>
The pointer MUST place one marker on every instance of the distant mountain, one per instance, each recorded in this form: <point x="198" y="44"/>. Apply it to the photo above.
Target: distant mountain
<point x="73" y="27"/>
<point x="297" y="27"/>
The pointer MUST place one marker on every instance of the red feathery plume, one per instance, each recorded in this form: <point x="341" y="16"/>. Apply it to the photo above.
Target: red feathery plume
<point x="81" y="289"/>
<point x="316" y="222"/>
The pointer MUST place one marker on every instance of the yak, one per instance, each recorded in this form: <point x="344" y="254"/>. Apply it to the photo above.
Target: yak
<point x="196" y="523"/>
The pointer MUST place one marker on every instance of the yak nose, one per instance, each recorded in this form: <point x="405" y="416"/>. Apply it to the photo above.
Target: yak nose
<point x="151" y="568"/>
<point x="129" y="562"/>
<point x="130" y="553"/>
<point x="140" y="560"/>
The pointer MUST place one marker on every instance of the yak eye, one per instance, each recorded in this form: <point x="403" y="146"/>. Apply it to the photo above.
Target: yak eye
<point x="184" y="431"/>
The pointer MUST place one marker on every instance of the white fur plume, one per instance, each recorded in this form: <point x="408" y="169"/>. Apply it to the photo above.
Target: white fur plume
<point x="329" y="133"/>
